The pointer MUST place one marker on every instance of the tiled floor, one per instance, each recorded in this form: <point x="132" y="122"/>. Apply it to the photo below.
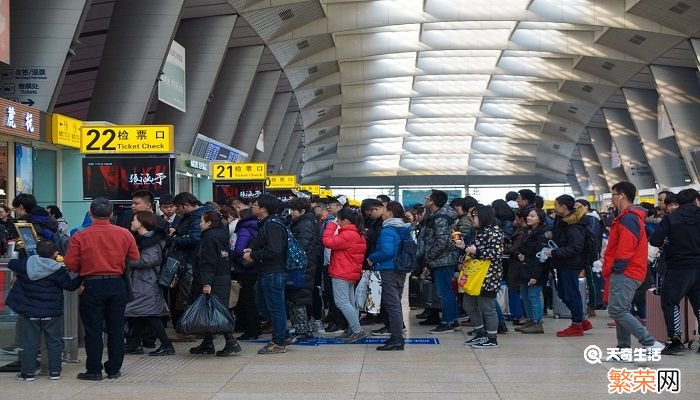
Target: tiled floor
<point x="524" y="367"/>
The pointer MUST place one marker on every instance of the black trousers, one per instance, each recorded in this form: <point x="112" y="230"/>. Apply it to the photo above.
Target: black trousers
<point x="102" y="306"/>
<point x="247" y="308"/>
<point x="679" y="283"/>
<point x="141" y="327"/>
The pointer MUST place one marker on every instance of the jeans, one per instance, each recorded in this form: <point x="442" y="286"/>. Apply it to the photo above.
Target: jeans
<point x="334" y="313"/>
<point x="532" y="300"/>
<point x="482" y="312"/>
<point x="622" y="290"/>
<point x="392" y="288"/>
<point x="271" y="303"/>
<point x="52" y="329"/>
<point x="102" y="306"/>
<point x="344" y="297"/>
<point x="567" y="290"/>
<point x="443" y="282"/>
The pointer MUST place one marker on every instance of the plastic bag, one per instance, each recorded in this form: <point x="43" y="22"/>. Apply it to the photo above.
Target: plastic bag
<point x="207" y="315"/>
<point x="361" y="291"/>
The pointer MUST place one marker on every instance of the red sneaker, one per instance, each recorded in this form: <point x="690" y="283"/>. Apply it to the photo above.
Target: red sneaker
<point x="573" y="330"/>
<point x="586" y="325"/>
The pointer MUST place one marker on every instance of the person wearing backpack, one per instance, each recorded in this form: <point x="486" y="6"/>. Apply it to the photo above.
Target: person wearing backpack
<point x="569" y="234"/>
<point x="267" y="255"/>
<point x="385" y="259"/>
<point x="305" y="228"/>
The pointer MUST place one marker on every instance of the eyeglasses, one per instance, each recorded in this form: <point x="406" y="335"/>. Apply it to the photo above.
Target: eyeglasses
<point x="256" y="205"/>
<point x="616" y="194"/>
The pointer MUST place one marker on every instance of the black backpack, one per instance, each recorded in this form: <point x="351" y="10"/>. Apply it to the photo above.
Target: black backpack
<point x="405" y="259"/>
<point x="591" y="248"/>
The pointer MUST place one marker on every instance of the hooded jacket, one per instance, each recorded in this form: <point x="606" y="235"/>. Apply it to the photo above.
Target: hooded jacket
<point x="246" y="230"/>
<point x="38" y="291"/>
<point x="435" y="242"/>
<point x="394" y="230"/>
<point x="306" y="231"/>
<point x="627" y="248"/>
<point x="489" y="246"/>
<point x="569" y="233"/>
<point x="143" y="273"/>
<point x="347" y="251"/>
<point x="682" y="228"/>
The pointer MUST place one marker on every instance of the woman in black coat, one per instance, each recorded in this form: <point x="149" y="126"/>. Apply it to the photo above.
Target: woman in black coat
<point x="212" y="275"/>
<point x="532" y="274"/>
<point x="306" y="230"/>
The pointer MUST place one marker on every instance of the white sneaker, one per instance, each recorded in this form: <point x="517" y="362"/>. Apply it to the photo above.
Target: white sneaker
<point x="653" y="352"/>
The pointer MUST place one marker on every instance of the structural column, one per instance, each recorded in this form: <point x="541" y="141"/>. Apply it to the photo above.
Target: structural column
<point x="663" y="154"/>
<point x="634" y="162"/>
<point x="602" y="143"/>
<point x="290" y="121"/>
<point x="291" y="151"/>
<point x="138" y="41"/>
<point x="680" y="91"/>
<point x="41" y="33"/>
<point x="230" y="93"/>
<point x="202" y="62"/>
<point x="255" y="111"/>
<point x="594" y="169"/>
<point x="582" y="178"/>
<point x="273" y="124"/>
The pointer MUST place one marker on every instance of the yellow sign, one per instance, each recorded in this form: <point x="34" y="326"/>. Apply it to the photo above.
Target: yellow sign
<point x="548" y="205"/>
<point x="325" y="193"/>
<point x="315" y="190"/>
<point x="65" y="131"/>
<point x="281" y="182"/>
<point x="127" y="139"/>
<point x="238" y="172"/>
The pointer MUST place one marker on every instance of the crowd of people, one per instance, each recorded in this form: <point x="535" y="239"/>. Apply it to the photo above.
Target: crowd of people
<point x="239" y="253"/>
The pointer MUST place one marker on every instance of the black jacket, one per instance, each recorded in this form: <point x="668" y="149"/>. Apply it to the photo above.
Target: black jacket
<point x="211" y="265"/>
<point x="682" y="229"/>
<point x="188" y="235"/>
<point x="38" y="292"/>
<point x="372" y="229"/>
<point x="306" y="230"/>
<point x="532" y="243"/>
<point x="269" y="248"/>
<point x="569" y="233"/>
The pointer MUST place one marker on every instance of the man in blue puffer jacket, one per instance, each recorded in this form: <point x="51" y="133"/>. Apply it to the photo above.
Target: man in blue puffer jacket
<point x="394" y="230"/>
<point x="37" y="296"/>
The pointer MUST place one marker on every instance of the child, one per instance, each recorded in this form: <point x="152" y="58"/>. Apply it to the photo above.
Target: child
<point x="37" y="296"/>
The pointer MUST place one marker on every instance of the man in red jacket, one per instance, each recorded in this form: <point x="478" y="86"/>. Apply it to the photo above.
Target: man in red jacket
<point x="625" y="266"/>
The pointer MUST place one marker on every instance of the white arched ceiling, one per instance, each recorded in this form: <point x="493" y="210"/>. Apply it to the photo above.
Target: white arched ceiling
<point x="463" y="87"/>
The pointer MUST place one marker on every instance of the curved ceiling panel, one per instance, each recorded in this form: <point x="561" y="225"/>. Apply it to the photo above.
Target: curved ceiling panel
<point x="455" y="87"/>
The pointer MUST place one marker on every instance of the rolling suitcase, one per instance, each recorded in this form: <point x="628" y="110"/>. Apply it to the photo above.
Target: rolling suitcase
<point x="559" y="309"/>
<point x="656" y="325"/>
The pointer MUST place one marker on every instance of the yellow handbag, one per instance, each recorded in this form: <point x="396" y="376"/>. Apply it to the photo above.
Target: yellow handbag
<point x="472" y="275"/>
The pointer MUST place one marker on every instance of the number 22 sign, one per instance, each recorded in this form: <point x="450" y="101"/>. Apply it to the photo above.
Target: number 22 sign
<point x="126" y="139"/>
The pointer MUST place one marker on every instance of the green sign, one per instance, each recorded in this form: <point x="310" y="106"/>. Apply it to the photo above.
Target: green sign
<point x="171" y="87"/>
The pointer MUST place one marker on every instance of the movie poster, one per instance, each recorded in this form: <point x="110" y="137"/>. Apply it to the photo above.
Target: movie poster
<point x="116" y="178"/>
<point x="225" y="191"/>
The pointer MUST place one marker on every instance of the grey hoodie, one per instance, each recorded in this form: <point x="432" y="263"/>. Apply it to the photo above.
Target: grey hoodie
<point x="40" y="267"/>
<point x="396" y="223"/>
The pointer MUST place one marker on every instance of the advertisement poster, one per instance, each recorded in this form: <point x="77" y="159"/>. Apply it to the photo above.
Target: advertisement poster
<point x="24" y="169"/>
<point x="116" y="178"/>
<point x="225" y="191"/>
<point x="283" y="194"/>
